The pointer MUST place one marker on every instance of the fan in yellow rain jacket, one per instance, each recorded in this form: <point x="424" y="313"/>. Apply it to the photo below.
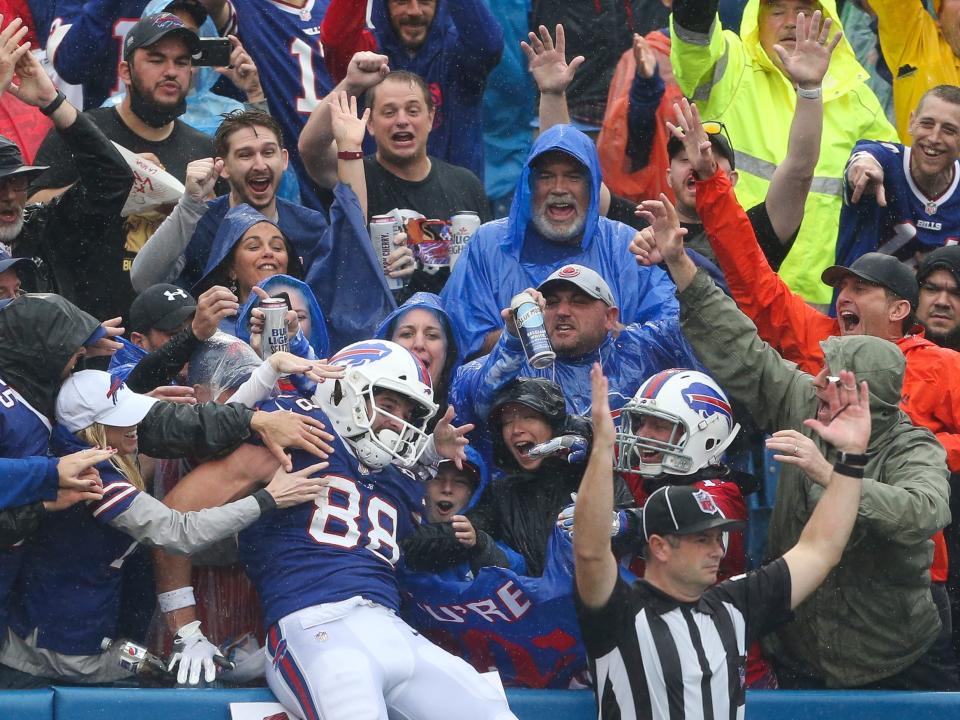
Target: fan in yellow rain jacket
<point x="734" y="79"/>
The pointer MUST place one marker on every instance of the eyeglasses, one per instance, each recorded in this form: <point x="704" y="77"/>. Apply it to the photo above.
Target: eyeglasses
<point x="17" y="183"/>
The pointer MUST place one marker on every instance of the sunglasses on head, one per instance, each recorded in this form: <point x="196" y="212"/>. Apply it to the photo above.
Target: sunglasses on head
<point x="715" y="127"/>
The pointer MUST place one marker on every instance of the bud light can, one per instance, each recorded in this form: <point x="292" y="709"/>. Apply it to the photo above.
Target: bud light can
<point x="382" y="230"/>
<point x="533" y="334"/>
<point x="274" y="338"/>
<point x="462" y="227"/>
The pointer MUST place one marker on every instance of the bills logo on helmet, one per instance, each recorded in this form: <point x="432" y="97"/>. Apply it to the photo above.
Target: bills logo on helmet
<point x="360" y="354"/>
<point x="705" y="401"/>
<point x="706" y="503"/>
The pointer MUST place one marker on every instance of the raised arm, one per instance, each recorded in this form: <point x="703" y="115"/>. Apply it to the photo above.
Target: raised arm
<point x="348" y="131"/>
<point x="805" y="65"/>
<point x="826" y="533"/>
<point x="480" y="42"/>
<point x="595" y="567"/>
<point x="552" y="74"/>
<point x="317" y="140"/>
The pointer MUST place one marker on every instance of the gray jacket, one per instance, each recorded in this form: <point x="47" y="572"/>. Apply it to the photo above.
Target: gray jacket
<point x="874" y="615"/>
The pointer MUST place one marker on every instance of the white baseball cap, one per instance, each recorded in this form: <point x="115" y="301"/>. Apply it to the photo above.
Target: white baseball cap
<point x="91" y="396"/>
<point x="584" y="278"/>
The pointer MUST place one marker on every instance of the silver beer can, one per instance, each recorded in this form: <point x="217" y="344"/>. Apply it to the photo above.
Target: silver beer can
<point x="463" y="225"/>
<point x="274" y="338"/>
<point x="532" y="331"/>
<point x="382" y="230"/>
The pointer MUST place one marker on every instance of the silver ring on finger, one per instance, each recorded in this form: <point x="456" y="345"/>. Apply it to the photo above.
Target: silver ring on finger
<point x="796" y="450"/>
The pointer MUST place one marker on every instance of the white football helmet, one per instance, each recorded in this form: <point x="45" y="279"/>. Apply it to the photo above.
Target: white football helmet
<point x="351" y="403"/>
<point x="700" y="420"/>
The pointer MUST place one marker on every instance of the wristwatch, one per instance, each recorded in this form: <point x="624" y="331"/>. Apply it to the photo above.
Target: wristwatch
<point x="852" y="459"/>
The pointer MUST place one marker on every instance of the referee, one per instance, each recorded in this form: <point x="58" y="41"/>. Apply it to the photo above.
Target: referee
<point x="674" y="644"/>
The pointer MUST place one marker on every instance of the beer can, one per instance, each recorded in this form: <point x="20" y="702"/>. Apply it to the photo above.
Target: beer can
<point x="463" y="225"/>
<point x="382" y="230"/>
<point x="274" y="338"/>
<point x="533" y="333"/>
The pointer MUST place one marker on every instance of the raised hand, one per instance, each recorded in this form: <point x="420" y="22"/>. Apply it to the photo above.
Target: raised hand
<point x="348" y="129"/>
<point x="795" y="448"/>
<point x="35" y="88"/>
<point x="548" y="63"/>
<point x="664" y="235"/>
<point x="243" y="71"/>
<point x="644" y="57"/>
<point x="464" y="531"/>
<point x="280" y="430"/>
<point x="365" y="70"/>
<point x="107" y="345"/>
<point x="689" y="130"/>
<point x="807" y="63"/>
<point x="11" y="50"/>
<point x="449" y="441"/>
<point x="201" y="176"/>
<point x="604" y="432"/>
<point x="848" y="429"/>
<point x="76" y="471"/>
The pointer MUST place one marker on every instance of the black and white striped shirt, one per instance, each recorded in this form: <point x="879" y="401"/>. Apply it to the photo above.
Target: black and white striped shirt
<point x="656" y="658"/>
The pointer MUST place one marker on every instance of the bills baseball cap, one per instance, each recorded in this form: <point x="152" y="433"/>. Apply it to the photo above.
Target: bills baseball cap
<point x="161" y="307"/>
<point x="943" y="258"/>
<point x="884" y="270"/>
<point x="584" y="278"/>
<point x="91" y="396"/>
<point x="11" y="161"/>
<point x="683" y="510"/>
<point x="153" y="28"/>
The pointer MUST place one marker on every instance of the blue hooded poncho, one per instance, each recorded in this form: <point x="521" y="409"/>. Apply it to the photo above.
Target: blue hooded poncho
<point x="433" y="303"/>
<point x="507" y="256"/>
<point x="461" y="48"/>
<point x="235" y="223"/>
<point x="317" y="345"/>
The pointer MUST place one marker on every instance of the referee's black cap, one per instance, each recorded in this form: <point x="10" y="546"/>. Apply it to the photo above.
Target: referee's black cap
<point x="683" y="510"/>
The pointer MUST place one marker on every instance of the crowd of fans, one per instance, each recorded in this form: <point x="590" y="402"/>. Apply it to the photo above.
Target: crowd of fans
<point x="734" y="222"/>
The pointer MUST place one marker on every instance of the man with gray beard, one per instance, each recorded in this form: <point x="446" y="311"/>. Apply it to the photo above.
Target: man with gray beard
<point x="56" y="236"/>
<point x="554" y="222"/>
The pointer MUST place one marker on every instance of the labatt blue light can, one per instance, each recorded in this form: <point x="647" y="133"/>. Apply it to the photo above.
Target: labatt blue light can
<point x="533" y="333"/>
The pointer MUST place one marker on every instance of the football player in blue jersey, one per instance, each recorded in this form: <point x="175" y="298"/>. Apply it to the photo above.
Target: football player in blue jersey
<point x="325" y="572"/>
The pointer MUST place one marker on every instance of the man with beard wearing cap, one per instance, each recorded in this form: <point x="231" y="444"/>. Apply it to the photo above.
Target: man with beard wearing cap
<point x="874" y="622"/>
<point x="55" y="239"/>
<point x="156" y="71"/>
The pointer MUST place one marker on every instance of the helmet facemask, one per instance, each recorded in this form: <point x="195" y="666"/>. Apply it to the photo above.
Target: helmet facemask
<point x="634" y="451"/>
<point x="401" y="448"/>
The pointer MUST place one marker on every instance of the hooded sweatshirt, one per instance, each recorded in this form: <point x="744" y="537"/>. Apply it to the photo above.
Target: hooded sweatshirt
<point x="432" y="303"/>
<point x="507" y="256"/>
<point x="462" y="46"/>
<point x="874" y="615"/>
<point x="236" y="222"/>
<point x="732" y="79"/>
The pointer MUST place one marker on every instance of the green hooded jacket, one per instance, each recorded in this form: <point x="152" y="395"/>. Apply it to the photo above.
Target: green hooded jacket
<point x="874" y="615"/>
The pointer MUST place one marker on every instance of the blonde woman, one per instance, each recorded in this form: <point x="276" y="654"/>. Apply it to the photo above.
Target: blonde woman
<point x="67" y="595"/>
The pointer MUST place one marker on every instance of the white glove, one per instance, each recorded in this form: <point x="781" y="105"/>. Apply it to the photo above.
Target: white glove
<point x="194" y="653"/>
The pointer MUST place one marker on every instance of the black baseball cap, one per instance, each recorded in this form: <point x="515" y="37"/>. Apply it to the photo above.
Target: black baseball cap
<point x="683" y="510"/>
<point x="11" y="160"/>
<point x="161" y="307"/>
<point x="718" y="141"/>
<point x="943" y="258"/>
<point x="884" y="270"/>
<point x="153" y="28"/>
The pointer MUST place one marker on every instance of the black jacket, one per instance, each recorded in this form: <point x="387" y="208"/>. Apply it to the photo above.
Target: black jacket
<point x="65" y="237"/>
<point x="20" y="522"/>
<point x="173" y="430"/>
<point x="521" y="508"/>
<point x="434" y="547"/>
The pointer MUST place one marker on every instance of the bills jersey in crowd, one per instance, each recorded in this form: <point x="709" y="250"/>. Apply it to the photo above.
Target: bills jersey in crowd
<point x="910" y="221"/>
<point x="57" y="587"/>
<point x="284" y="42"/>
<point x="346" y="543"/>
<point x="24" y="433"/>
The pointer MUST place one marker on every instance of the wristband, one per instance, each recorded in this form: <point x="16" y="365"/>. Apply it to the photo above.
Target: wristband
<point x="176" y="599"/>
<point x="54" y="105"/>
<point x="350" y="154"/>
<point x="813" y="94"/>
<point x="852" y="459"/>
<point x="848" y="470"/>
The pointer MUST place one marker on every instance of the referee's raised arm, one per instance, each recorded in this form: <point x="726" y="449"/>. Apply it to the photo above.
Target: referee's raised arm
<point x="594" y="563"/>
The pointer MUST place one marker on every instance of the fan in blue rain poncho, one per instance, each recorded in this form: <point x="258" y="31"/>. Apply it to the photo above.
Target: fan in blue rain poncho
<point x="507" y="256"/>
